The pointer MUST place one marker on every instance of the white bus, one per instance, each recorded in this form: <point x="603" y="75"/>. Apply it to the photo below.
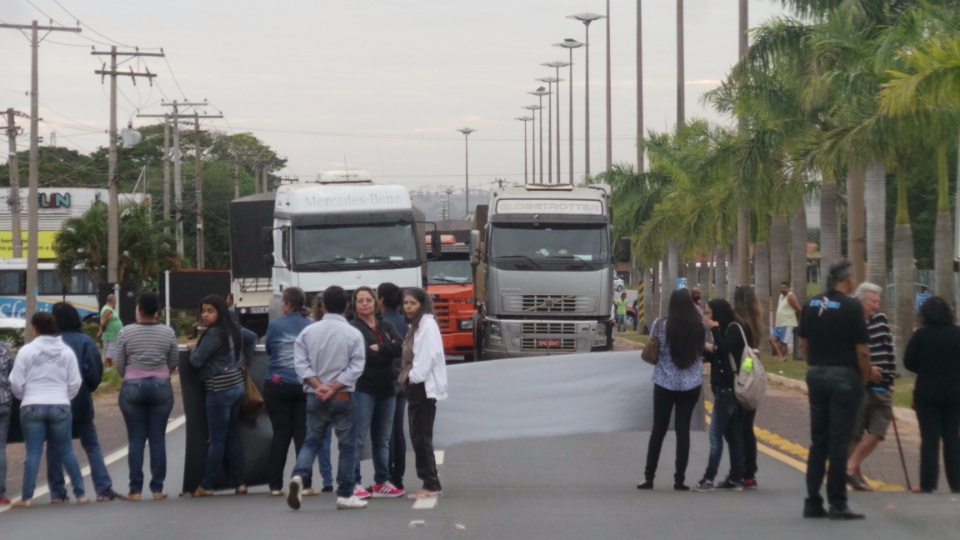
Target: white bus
<point x="79" y="291"/>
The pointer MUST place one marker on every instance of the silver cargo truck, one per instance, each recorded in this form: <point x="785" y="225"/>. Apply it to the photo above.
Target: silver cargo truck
<point x="544" y="271"/>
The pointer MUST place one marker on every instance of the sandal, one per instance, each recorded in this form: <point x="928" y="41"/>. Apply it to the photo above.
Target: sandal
<point x="159" y="495"/>
<point x="425" y="494"/>
<point x="241" y="490"/>
<point x="131" y="497"/>
<point x="59" y="500"/>
<point x="23" y="504"/>
<point x="83" y="500"/>
<point x="108" y="496"/>
<point x="200" y="492"/>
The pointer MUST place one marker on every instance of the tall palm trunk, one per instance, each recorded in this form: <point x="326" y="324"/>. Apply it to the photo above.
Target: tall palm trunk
<point x="903" y="269"/>
<point x="943" y="239"/>
<point x="673" y="271"/>
<point x="761" y="269"/>
<point x="875" y="200"/>
<point x="829" y="239"/>
<point x="711" y="273"/>
<point x="649" y="311"/>
<point x="779" y="250"/>
<point x="721" y="273"/>
<point x="743" y="246"/>
<point x="655" y="291"/>
<point x="856" y="224"/>
<point x="798" y="252"/>
<point x="734" y="265"/>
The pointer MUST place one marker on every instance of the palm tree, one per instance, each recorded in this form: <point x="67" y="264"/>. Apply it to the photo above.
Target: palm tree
<point x="82" y="243"/>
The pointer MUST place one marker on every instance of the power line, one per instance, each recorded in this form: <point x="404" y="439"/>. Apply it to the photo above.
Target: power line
<point x="88" y="27"/>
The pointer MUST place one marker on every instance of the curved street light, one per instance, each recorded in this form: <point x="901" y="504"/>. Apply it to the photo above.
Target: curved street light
<point x="557" y="65"/>
<point x="570" y="45"/>
<point x="533" y="137"/>
<point x="466" y="175"/>
<point x="540" y="92"/>
<point x="550" y="81"/>
<point x="524" y="119"/>
<point x="586" y="19"/>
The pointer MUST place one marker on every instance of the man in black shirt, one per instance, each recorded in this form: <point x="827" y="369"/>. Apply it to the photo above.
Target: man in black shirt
<point x="835" y="340"/>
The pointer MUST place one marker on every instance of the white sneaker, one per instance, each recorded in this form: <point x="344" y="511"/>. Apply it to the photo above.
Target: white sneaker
<point x="360" y="493"/>
<point x="350" y="503"/>
<point x="310" y="492"/>
<point x="293" y="497"/>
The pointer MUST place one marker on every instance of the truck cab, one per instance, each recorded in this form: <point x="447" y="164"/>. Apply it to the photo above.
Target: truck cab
<point x="450" y="285"/>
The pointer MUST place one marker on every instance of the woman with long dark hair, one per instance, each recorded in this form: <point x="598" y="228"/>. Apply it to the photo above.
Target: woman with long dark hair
<point x="933" y="353"/>
<point x="391" y="300"/>
<point x="746" y="307"/>
<point x="724" y="419"/>
<point x="217" y="355"/>
<point x="424" y="373"/>
<point x="677" y="379"/>
<point x="374" y="394"/>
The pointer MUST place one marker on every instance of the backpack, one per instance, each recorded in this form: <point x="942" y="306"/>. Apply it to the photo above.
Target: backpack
<point x="749" y="385"/>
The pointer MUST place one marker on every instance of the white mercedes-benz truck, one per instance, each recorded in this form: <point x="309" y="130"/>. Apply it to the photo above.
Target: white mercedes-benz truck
<point x="544" y="271"/>
<point x="343" y="229"/>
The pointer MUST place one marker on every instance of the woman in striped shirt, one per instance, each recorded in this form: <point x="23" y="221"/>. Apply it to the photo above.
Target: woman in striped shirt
<point x="146" y="356"/>
<point x="217" y="356"/>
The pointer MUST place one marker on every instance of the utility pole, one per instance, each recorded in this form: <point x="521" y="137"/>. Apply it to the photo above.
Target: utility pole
<point x="113" y="215"/>
<point x="175" y="117"/>
<point x="166" y="173"/>
<point x="34" y="177"/>
<point x="199" y="187"/>
<point x="13" y="201"/>
<point x="236" y="179"/>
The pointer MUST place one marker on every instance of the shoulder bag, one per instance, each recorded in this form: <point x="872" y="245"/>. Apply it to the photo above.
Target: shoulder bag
<point x="750" y="382"/>
<point x="651" y="352"/>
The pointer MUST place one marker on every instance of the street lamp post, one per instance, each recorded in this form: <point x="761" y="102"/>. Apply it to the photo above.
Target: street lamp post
<point x="533" y="137"/>
<point x="466" y="175"/>
<point x="540" y="92"/>
<point x="550" y="81"/>
<point x="586" y="19"/>
<point x="524" y="119"/>
<point x="557" y="65"/>
<point x="570" y="45"/>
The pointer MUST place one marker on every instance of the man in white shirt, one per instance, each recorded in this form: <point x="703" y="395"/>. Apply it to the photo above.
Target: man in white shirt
<point x="788" y="309"/>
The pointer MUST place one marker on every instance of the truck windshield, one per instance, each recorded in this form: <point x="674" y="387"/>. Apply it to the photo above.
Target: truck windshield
<point x="352" y="247"/>
<point x="549" y="247"/>
<point x="449" y="271"/>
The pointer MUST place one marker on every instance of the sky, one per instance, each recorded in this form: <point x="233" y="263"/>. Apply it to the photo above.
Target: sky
<point x="376" y="85"/>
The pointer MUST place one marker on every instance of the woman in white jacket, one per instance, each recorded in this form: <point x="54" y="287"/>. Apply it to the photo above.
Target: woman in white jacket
<point x="45" y="378"/>
<point x="424" y="373"/>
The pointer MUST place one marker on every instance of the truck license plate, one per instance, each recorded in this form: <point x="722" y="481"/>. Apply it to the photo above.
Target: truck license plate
<point x="548" y="343"/>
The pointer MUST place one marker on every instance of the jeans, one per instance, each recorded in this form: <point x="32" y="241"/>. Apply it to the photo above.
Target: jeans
<point x="939" y="421"/>
<point x="4" y="428"/>
<point x="423" y="412"/>
<point x="87" y="432"/>
<point x="375" y="415"/>
<point x="834" y="394"/>
<point x="621" y="322"/>
<point x="321" y="415"/>
<point x="725" y="424"/>
<point x="146" y="405"/>
<point x="398" y="442"/>
<point x="223" y="425"/>
<point x="50" y="423"/>
<point x="664" y="401"/>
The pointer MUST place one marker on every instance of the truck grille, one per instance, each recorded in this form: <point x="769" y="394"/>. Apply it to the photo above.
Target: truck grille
<point x="441" y="309"/>
<point x="534" y="344"/>
<point x="548" y="303"/>
<point x="540" y="328"/>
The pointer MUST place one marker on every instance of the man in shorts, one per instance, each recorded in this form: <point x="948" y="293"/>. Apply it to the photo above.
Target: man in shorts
<point x="788" y="310"/>
<point x="877" y="408"/>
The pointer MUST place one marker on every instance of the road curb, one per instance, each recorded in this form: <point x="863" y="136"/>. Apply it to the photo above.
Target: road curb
<point x="902" y="414"/>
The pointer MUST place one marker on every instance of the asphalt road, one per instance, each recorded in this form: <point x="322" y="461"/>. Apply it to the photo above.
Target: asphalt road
<point x="579" y="486"/>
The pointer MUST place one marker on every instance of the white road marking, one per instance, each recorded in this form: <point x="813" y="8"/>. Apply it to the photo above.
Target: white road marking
<point x="114" y="457"/>
<point x="425" y="504"/>
<point x="438" y="455"/>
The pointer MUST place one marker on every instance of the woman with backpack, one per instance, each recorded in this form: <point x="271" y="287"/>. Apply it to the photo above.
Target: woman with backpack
<point x="746" y="308"/>
<point x="677" y="378"/>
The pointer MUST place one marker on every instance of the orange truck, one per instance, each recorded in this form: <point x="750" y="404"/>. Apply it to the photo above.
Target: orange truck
<point x="450" y="285"/>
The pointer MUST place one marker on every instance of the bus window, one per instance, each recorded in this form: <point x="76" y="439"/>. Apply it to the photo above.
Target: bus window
<point x="49" y="282"/>
<point x="79" y="283"/>
<point x="12" y="281"/>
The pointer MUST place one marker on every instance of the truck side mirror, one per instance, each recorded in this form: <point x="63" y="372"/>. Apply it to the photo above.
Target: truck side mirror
<point x="434" y="245"/>
<point x="624" y="249"/>
<point x="266" y="240"/>
<point x="474" y="247"/>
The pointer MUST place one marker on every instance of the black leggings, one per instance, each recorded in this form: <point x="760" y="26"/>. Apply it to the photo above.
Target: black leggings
<point x="287" y="407"/>
<point x="939" y="421"/>
<point x="664" y="402"/>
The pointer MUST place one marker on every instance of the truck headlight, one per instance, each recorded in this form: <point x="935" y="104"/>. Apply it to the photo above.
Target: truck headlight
<point x="495" y="332"/>
<point x="600" y="338"/>
<point x="465" y="324"/>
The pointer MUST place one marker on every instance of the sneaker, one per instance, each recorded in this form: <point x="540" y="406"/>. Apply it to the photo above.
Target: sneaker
<point x="749" y="483"/>
<point x="276" y="492"/>
<point x="309" y="492"/>
<point x="350" y="503"/>
<point x="327" y="489"/>
<point x="704" y="485"/>
<point x="386" y="490"/>
<point x="359" y="493"/>
<point x="293" y="497"/>
<point x="4" y="501"/>
<point x="730" y="485"/>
